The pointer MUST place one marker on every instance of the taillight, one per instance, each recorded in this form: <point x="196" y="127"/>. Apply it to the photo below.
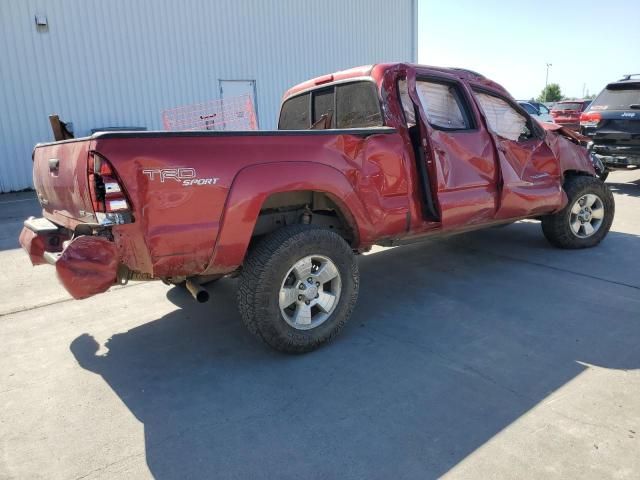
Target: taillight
<point x="590" y="119"/>
<point x="107" y="195"/>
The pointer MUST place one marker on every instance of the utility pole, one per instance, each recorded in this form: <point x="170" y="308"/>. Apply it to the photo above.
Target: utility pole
<point x="546" y="81"/>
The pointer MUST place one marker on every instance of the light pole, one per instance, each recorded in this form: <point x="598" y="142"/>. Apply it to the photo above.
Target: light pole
<point x="546" y="81"/>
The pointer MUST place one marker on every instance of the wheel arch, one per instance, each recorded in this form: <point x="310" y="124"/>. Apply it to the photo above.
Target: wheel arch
<point x="570" y="172"/>
<point x="259" y="187"/>
<point x="314" y="207"/>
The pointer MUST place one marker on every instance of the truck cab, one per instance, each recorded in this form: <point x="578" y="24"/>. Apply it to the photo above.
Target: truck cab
<point x="477" y="156"/>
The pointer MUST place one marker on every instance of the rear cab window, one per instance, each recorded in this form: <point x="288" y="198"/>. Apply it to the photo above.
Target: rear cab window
<point x="344" y="105"/>
<point x="576" y="106"/>
<point x="295" y="113"/>
<point x="323" y="106"/>
<point x="357" y="105"/>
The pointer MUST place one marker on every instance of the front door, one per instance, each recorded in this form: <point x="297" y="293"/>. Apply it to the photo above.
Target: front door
<point x="460" y="159"/>
<point x="530" y="173"/>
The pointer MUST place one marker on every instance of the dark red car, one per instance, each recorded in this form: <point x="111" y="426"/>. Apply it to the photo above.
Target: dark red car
<point x="567" y="113"/>
<point x="386" y="155"/>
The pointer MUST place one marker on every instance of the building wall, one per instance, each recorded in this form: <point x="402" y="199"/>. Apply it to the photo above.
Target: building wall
<point x="105" y="63"/>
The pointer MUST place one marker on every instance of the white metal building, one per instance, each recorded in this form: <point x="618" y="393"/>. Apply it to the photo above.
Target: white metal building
<point x="117" y="63"/>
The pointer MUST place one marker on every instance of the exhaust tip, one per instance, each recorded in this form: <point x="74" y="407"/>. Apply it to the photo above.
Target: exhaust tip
<point x="202" y="296"/>
<point x="197" y="292"/>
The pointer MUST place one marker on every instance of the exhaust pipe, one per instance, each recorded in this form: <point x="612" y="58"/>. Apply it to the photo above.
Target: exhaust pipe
<point x="196" y="290"/>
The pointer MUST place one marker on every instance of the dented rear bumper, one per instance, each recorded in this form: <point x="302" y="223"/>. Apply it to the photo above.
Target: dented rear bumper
<point x="85" y="265"/>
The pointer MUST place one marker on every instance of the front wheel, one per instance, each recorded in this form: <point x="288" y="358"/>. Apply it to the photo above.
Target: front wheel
<point x="298" y="287"/>
<point x="603" y="174"/>
<point x="587" y="217"/>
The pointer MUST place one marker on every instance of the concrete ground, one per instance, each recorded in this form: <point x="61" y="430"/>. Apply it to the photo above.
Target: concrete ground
<point x="488" y="355"/>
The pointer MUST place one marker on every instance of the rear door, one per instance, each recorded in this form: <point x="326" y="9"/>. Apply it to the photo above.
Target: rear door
<point x="530" y="173"/>
<point x="459" y="156"/>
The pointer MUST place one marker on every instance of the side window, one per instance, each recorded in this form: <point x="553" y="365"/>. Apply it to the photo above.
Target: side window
<point x="294" y="114"/>
<point x="543" y="108"/>
<point x="442" y="104"/>
<point x="357" y="105"/>
<point x="502" y="118"/>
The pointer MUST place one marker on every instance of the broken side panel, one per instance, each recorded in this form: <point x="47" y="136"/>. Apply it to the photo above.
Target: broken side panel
<point x="531" y="180"/>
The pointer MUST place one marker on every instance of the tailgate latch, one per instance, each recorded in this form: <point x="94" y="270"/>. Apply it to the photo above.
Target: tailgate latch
<point x="54" y="164"/>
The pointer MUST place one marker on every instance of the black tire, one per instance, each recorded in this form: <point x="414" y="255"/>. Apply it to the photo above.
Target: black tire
<point x="264" y="271"/>
<point x="557" y="228"/>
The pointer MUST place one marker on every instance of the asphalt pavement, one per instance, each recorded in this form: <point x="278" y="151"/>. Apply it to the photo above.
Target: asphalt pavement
<point x="485" y="355"/>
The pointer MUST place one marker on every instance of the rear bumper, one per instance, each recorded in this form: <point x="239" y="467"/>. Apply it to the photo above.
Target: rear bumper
<point x="617" y="155"/>
<point x="86" y="265"/>
<point x="40" y="237"/>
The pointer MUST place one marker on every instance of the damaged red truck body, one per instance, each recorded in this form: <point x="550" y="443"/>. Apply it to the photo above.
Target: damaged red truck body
<point x="377" y="155"/>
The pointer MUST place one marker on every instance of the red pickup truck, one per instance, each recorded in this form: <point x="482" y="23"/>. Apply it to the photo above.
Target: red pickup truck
<point x="379" y="155"/>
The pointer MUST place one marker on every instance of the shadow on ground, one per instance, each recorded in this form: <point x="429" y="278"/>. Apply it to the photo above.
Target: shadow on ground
<point x="448" y="345"/>
<point x="631" y="188"/>
<point x="15" y="208"/>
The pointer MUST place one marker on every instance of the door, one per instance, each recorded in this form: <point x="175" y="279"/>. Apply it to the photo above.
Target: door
<point x="459" y="156"/>
<point x="239" y="109"/>
<point x="530" y="172"/>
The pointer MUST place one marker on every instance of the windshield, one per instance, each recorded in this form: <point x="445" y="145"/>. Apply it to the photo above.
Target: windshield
<point x="617" y="98"/>
<point x="567" y="106"/>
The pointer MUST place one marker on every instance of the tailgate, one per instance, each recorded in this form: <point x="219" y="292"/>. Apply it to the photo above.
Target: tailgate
<point x="61" y="180"/>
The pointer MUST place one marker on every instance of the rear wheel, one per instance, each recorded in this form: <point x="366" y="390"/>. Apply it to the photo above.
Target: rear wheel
<point x="298" y="288"/>
<point x="586" y="219"/>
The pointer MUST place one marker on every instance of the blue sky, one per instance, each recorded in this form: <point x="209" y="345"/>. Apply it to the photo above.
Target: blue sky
<point x="588" y="42"/>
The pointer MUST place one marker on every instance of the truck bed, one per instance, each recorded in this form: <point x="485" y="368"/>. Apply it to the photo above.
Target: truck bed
<point x="177" y="183"/>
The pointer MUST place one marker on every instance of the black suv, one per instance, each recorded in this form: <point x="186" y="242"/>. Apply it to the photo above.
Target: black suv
<point x="613" y="123"/>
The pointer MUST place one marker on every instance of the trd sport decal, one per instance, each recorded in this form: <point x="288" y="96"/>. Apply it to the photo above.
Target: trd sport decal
<point x="184" y="175"/>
